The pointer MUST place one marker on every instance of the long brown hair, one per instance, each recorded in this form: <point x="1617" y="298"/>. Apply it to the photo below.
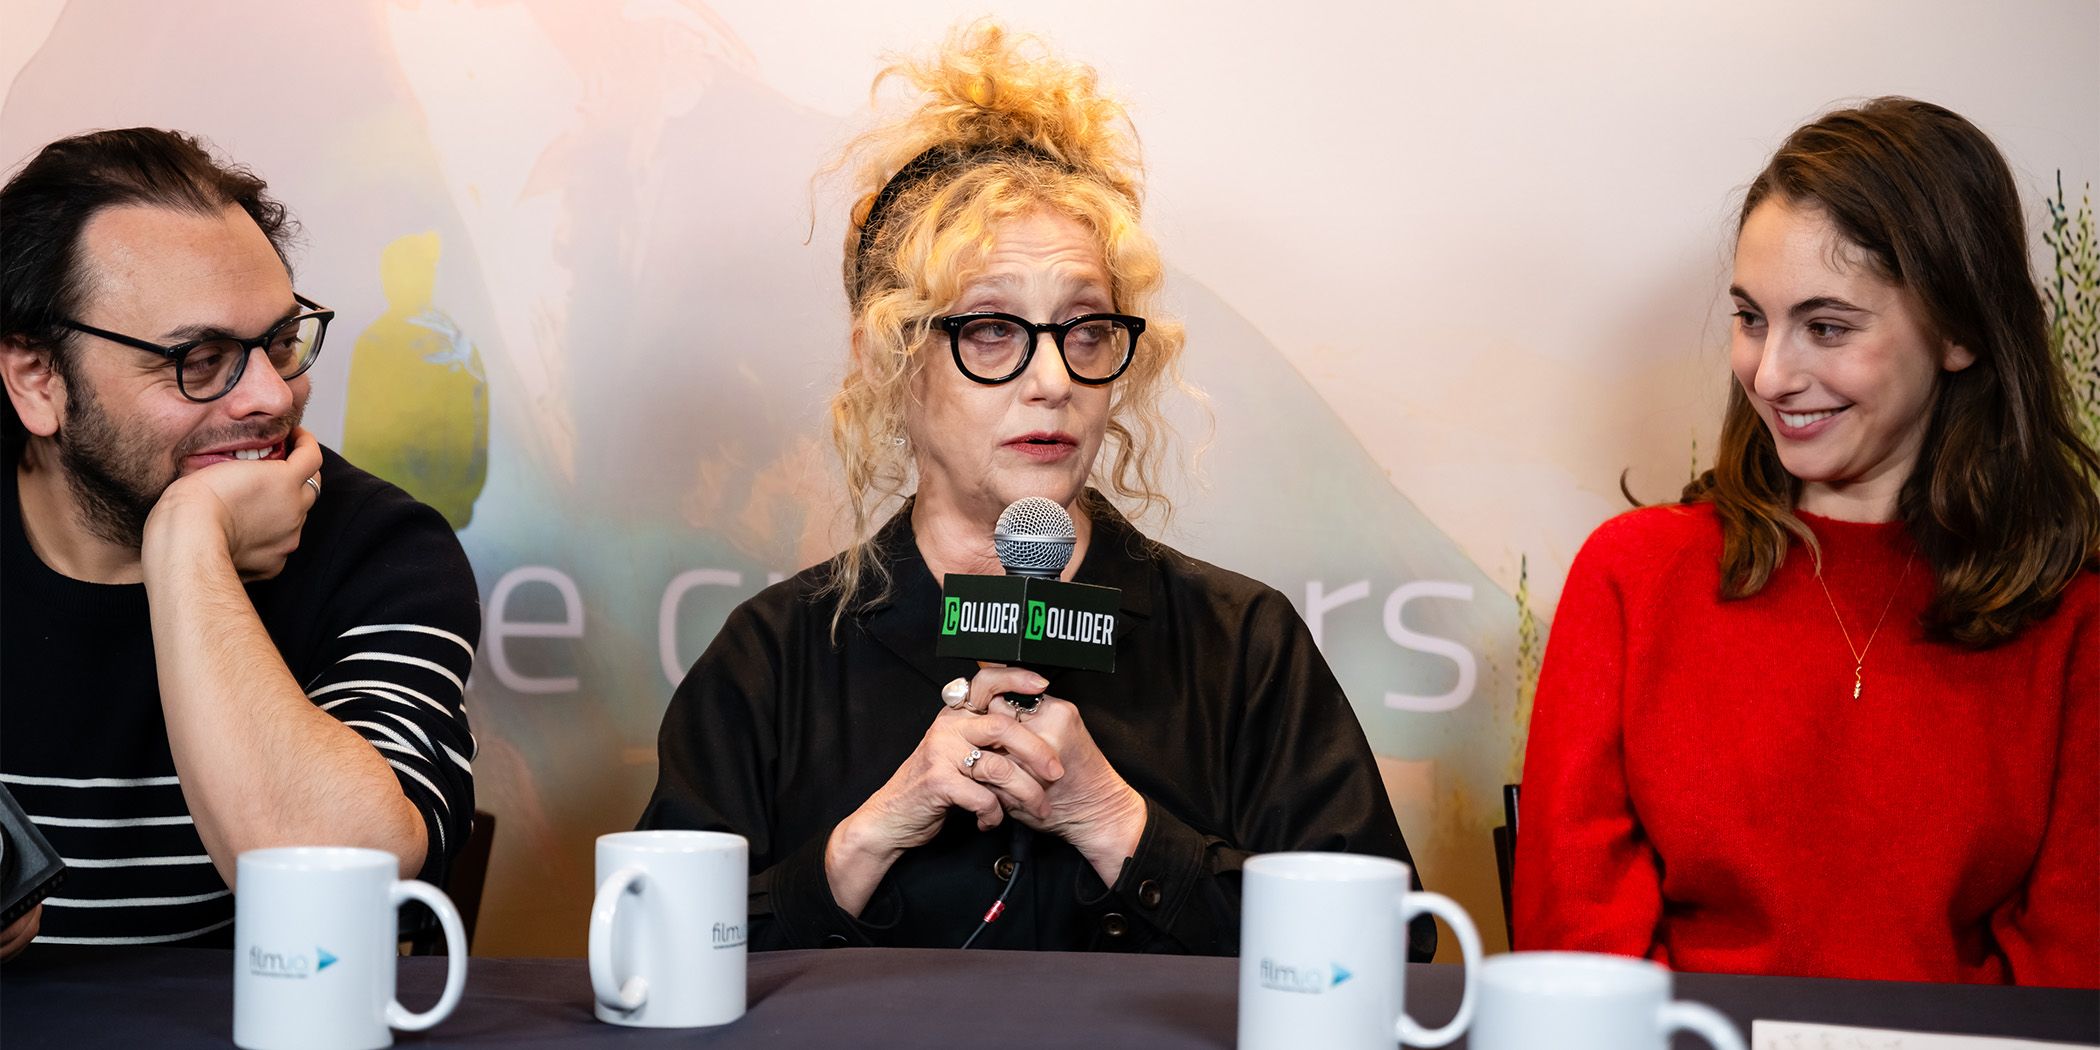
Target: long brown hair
<point x="2002" y="502"/>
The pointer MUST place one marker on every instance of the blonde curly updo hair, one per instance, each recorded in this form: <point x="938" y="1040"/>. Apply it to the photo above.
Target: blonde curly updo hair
<point x="1004" y="130"/>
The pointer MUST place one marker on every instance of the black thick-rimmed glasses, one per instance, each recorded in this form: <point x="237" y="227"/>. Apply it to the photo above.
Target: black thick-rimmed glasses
<point x="208" y="369"/>
<point x="994" y="348"/>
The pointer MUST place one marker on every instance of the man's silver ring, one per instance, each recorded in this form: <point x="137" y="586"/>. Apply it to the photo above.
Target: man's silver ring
<point x="955" y="693"/>
<point x="971" y="761"/>
<point x="315" y="482"/>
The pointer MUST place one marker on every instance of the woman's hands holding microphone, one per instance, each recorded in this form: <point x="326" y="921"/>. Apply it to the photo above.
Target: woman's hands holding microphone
<point x="980" y="755"/>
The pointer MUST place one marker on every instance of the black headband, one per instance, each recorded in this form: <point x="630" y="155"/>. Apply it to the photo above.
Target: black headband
<point x="933" y="161"/>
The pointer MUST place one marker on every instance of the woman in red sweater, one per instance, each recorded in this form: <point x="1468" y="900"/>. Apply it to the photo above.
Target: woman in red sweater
<point x="1837" y="713"/>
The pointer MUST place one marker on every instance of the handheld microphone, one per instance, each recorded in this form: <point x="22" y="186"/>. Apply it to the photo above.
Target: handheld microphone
<point x="1034" y="538"/>
<point x="1026" y="616"/>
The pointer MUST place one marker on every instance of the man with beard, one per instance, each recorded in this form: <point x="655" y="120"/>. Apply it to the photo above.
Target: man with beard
<point x="216" y="635"/>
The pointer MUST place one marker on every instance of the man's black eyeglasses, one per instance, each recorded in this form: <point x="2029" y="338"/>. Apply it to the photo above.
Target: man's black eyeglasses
<point x="207" y="369"/>
<point x="994" y="348"/>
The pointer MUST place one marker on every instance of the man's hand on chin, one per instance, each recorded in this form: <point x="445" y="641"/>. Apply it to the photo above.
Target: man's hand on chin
<point x="252" y="511"/>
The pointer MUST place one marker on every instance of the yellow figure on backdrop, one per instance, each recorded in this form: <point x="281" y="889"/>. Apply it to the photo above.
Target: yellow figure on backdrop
<point x="418" y="405"/>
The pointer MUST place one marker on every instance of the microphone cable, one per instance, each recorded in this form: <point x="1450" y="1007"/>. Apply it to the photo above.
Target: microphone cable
<point x="1020" y="847"/>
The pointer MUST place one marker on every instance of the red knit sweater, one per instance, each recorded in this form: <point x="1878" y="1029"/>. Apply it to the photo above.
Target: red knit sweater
<point x="1701" y="788"/>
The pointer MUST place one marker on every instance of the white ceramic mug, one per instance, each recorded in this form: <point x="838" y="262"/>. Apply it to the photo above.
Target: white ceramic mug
<point x="1323" y="953"/>
<point x="1580" y="1001"/>
<point x="668" y="928"/>
<point x="316" y="943"/>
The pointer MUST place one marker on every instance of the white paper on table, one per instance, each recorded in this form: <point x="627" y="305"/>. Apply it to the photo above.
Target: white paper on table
<point x="1788" y="1035"/>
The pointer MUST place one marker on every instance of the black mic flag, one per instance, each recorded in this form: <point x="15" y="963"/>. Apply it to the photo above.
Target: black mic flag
<point x="1030" y="617"/>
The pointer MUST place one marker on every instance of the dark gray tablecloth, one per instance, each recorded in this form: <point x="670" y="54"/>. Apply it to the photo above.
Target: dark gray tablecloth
<point x="175" y="998"/>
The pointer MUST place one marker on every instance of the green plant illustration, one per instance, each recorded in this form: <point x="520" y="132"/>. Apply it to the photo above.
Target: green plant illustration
<point x="2073" y="295"/>
<point x="418" y="398"/>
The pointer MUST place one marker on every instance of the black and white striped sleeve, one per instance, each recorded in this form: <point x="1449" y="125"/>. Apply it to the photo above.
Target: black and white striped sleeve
<point x="396" y="644"/>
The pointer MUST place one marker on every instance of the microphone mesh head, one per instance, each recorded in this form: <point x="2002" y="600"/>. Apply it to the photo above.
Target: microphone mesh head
<point x="1034" y="537"/>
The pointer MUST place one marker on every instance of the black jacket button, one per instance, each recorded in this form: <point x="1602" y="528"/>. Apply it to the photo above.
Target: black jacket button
<point x="1115" y="925"/>
<point x="1003" y="868"/>
<point x="1148" y="893"/>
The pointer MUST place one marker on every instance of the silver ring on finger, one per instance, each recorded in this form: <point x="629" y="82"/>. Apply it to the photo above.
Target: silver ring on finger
<point x="314" y="482"/>
<point x="1023" y="707"/>
<point x="955" y="693"/>
<point x="970" y="760"/>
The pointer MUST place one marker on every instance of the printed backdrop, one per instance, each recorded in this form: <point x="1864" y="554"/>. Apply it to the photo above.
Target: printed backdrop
<point x="1448" y="270"/>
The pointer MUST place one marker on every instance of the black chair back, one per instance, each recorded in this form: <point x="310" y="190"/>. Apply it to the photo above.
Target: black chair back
<point x="1506" y="856"/>
<point x="470" y="872"/>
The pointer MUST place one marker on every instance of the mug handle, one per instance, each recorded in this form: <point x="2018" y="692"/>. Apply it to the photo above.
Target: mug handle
<point x="1701" y="1020"/>
<point x="1445" y="908"/>
<point x="608" y="987"/>
<point x="403" y="891"/>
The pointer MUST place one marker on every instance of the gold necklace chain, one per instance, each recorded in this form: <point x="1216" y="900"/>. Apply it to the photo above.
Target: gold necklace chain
<point x="1859" y="655"/>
